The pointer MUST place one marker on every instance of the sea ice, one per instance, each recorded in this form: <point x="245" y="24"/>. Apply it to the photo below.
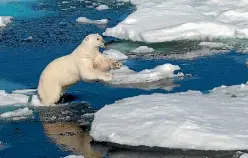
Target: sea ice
<point x="143" y="49"/>
<point x="4" y="20"/>
<point x="114" y="54"/>
<point x="102" y="7"/>
<point x="125" y="75"/>
<point x="89" y="21"/>
<point x="74" y="156"/>
<point x="244" y="156"/>
<point x="17" y="114"/>
<point x="166" y="20"/>
<point x="186" y="120"/>
<point x="19" y="97"/>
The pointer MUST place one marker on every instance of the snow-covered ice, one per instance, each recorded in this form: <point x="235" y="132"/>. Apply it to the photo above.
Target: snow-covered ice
<point x="4" y="20"/>
<point x="212" y="44"/>
<point x="89" y="21"/>
<point x="166" y="20"/>
<point x="74" y="156"/>
<point x="244" y="156"/>
<point x="114" y="54"/>
<point x="17" y="114"/>
<point x="19" y="97"/>
<point x="102" y="7"/>
<point x="186" y="120"/>
<point x="125" y="75"/>
<point x="143" y="49"/>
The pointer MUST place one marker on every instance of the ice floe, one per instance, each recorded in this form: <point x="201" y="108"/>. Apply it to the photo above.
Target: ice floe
<point x="19" y="97"/>
<point x="17" y="114"/>
<point x="102" y="7"/>
<point x="160" y="72"/>
<point x="74" y="156"/>
<point x="4" y="20"/>
<point x="89" y="21"/>
<point x="244" y="156"/>
<point x="186" y="120"/>
<point x="143" y="49"/>
<point x="114" y="54"/>
<point x="165" y="20"/>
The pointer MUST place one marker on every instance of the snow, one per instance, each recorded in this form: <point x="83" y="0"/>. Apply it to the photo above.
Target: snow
<point x="114" y="54"/>
<point x="74" y="156"/>
<point x="89" y="21"/>
<point x="4" y="20"/>
<point x="143" y="49"/>
<point x="186" y="120"/>
<point x="102" y="7"/>
<point x="17" y="114"/>
<point x="166" y="20"/>
<point x="127" y="76"/>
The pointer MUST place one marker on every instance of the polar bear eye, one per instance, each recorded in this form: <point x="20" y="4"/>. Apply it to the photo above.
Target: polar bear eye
<point x="98" y="39"/>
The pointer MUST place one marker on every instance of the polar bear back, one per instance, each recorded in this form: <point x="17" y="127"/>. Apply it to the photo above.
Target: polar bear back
<point x="61" y="71"/>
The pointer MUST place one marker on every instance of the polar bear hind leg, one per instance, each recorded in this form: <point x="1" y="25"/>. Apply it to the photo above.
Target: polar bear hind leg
<point x="50" y="96"/>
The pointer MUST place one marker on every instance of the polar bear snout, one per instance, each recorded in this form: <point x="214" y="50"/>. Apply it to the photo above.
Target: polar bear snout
<point x="101" y="42"/>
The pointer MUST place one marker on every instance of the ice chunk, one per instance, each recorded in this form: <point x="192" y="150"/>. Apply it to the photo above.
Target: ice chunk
<point x="74" y="156"/>
<point x="244" y="156"/>
<point x="164" y="20"/>
<point x="19" y="113"/>
<point x="212" y="44"/>
<point x="4" y="20"/>
<point x="89" y="21"/>
<point x="24" y="96"/>
<point x="114" y="54"/>
<point x="143" y="49"/>
<point x="186" y="120"/>
<point x="127" y="76"/>
<point x="102" y="7"/>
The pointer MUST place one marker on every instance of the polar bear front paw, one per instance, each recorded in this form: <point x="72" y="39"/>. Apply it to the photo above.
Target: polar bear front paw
<point x="116" y="65"/>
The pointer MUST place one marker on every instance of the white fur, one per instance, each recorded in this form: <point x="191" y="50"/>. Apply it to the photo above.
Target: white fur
<point x="84" y="63"/>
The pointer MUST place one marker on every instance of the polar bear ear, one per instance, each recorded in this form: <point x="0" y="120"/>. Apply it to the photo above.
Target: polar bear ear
<point x="86" y="38"/>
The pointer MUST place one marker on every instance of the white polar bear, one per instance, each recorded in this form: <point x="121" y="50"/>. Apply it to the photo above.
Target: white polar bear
<point x="84" y="63"/>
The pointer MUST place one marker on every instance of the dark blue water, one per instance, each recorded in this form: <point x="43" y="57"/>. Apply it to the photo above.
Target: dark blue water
<point x="55" y="34"/>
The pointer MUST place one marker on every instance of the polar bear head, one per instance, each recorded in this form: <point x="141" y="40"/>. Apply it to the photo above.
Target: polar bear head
<point x="94" y="40"/>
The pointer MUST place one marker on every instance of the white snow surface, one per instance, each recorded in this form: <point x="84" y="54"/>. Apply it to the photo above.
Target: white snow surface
<point x="4" y="20"/>
<point x="102" y="7"/>
<point x="128" y="76"/>
<point x="143" y="49"/>
<point x="89" y="21"/>
<point x="19" y="113"/>
<point x="186" y="120"/>
<point x="166" y="20"/>
<point x="114" y="54"/>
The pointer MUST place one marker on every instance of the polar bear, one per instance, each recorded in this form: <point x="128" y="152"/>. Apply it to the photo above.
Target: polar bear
<point x="85" y="63"/>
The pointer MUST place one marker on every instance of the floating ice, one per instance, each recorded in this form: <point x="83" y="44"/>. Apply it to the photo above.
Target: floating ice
<point x="212" y="44"/>
<point x="89" y="21"/>
<point x="74" y="156"/>
<point x="19" y="97"/>
<point x="17" y="114"/>
<point x="127" y="76"/>
<point x="114" y="54"/>
<point x="244" y="156"/>
<point x="102" y="7"/>
<point x="186" y="120"/>
<point x="4" y="20"/>
<point x="143" y="49"/>
<point x="165" y="20"/>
